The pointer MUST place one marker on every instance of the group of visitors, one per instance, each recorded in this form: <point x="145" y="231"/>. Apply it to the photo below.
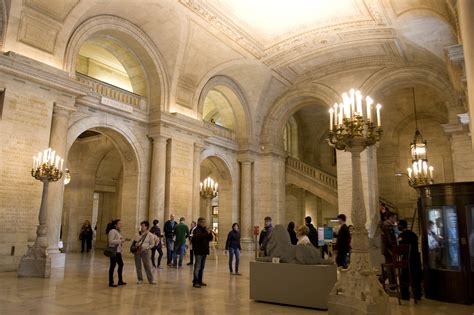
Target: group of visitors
<point x="395" y="232"/>
<point x="176" y="235"/>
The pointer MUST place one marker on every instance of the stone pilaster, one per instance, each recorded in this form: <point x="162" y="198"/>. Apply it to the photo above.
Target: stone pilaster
<point x="461" y="150"/>
<point x="466" y="25"/>
<point x="196" y="180"/>
<point x="59" y="129"/>
<point x="246" y="199"/>
<point x="158" y="180"/>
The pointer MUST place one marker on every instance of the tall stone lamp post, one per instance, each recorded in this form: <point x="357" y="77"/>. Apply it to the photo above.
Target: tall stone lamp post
<point x="47" y="167"/>
<point x="354" y="125"/>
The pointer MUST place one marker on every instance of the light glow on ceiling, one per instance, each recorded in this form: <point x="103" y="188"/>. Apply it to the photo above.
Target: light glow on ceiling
<point x="273" y="18"/>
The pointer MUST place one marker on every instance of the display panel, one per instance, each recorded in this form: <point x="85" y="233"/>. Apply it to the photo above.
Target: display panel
<point x="470" y="233"/>
<point x="443" y="238"/>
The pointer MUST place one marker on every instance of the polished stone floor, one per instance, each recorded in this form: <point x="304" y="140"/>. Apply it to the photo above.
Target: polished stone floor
<point x="81" y="288"/>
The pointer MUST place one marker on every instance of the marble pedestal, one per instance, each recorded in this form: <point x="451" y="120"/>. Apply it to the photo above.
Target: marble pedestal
<point x="35" y="264"/>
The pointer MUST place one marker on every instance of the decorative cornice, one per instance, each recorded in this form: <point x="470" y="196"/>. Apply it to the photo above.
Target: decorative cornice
<point x="32" y="70"/>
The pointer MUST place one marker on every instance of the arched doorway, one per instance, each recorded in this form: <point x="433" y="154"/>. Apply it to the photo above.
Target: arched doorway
<point x="310" y="160"/>
<point x="221" y="211"/>
<point x="104" y="186"/>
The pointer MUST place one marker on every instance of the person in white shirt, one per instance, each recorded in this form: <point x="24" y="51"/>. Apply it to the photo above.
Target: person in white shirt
<point x="115" y="239"/>
<point x="302" y="234"/>
<point x="145" y="241"/>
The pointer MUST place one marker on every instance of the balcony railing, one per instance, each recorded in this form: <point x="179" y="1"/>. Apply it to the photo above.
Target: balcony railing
<point x="220" y="131"/>
<point x="112" y="92"/>
<point x="311" y="171"/>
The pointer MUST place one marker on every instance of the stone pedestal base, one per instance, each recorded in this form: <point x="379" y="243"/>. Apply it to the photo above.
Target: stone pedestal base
<point x="39" y="267"/>
<point x="58" y="260"/>
<point x="358" y="292"/>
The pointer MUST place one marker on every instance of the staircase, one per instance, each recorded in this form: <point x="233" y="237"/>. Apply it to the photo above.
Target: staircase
<point x="314" y="180"/>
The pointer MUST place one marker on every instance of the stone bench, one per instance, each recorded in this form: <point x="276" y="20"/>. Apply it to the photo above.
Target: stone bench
<point x="292" y="284"/>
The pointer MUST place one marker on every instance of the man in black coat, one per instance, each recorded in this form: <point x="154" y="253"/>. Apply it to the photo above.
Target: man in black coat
<point x="313" y="233"/>
<point x="408" y="237"/>
<point x="200" y="240"/>
<point x="263" y="238"/>
<point x="343" y="242"/>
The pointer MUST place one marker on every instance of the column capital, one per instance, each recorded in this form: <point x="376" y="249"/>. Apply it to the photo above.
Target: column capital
<point x="246" y="160"/>
<point x="158" y="138"/>
<point x="62" y="110"/>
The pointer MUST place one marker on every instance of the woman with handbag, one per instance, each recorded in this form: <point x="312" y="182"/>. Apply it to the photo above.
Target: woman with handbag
<point x="140" y="248"/>
<point x="115" y="241"/>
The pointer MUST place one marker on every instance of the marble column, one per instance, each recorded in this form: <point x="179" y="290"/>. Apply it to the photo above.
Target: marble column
<point x="158" y="180"/>
<point x="246" y="200"/>
<point x="466" y="25"/>
<point x="57" y="141"/>
<point x="196" y="180"/>
<point x="369" y="182"/>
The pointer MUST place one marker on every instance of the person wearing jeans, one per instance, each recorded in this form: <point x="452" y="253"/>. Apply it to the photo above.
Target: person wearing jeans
<point x="157" y="231"/>
<point x="181" y="233"/>
<point x="115" y="239"/>
<point x="145" y="241"/>
<point x="232" y="245"/>
<point x="169" y="234"/>
<point x="201" y="238"/>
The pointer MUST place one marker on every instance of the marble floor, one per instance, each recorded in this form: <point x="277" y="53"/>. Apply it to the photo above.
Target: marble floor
<point x="81" y="288"/>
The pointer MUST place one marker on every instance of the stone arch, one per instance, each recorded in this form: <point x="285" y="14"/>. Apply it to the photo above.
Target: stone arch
<point x="407" y="77"/>
<point x="290" y="103"/>
<point x="134" y="159"/>
<point x="136" y="41"/>
<point x="240" y="111"/>
<point x="221" y="168"/>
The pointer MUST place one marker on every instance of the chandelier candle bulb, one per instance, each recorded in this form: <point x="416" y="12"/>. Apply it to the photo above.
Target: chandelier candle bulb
<point x="331" y="117"/>
<point x="378" y="107"/>
<point x="431" y="172"/>
<point x="359" y="103"/>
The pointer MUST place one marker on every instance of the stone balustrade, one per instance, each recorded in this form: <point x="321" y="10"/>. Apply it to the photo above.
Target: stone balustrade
<point x="308" y="170"/>
<point x="112" y="92"/>
<point x="220" y="131"/>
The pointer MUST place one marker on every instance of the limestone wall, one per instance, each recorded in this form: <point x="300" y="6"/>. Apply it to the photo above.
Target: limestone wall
<point x="25" y="122"/>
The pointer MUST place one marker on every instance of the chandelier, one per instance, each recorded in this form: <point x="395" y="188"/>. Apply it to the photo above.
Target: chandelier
<point x="208" y="188"/>
<point x="349" y="122"/>
<point x="420" y="172"/>
<point x="47" y="166"/>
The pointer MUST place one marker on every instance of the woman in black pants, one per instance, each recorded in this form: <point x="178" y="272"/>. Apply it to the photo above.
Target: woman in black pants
<point x="116" y="239"/>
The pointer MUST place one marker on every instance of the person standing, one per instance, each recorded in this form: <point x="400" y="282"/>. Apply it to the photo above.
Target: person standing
<point x="181" y="232"/>
<point x="169" y="235"/>
<point x="159" y="247"/>
<point x="264" y="235"/>
<point x="115" y="239"/>
<point x="86" y="236"/>
<point x="144" y="242"/>
<point x="302" y="235"/>
<point x="201" y="238"/>
<point x="408" y="237"/>
<point x="191" y="252"/>
<point x="343" y="242"/>
<point x="291" y="231"/>
<point x="313" y="233"/>
<point x="389" y="239"/>
<point x="232" y="245"/>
